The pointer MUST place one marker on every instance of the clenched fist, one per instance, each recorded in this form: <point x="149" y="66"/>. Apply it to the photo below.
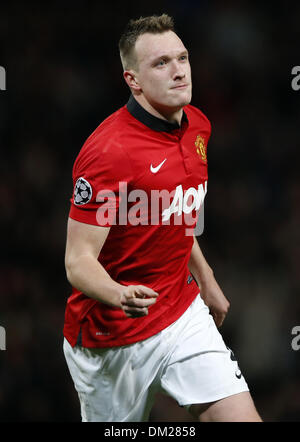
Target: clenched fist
<point x="135" y="300"/>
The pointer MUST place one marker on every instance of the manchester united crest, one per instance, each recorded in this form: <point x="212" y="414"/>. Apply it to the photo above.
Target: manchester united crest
<point x="200" y="145"/>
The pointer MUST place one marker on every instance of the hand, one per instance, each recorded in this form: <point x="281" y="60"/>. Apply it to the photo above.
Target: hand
<point x="135" y="300"/>
<point x="215" y="300"/>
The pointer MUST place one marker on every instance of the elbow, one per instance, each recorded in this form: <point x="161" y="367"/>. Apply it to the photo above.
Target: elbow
<point x="69" y="270"/>
<point x="69" y="276"/>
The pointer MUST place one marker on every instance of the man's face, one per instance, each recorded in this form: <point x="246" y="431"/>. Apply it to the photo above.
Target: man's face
<point x="164" y="72"/>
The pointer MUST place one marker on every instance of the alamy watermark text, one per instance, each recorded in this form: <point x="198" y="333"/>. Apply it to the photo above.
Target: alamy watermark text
<point x="2" y="79"/>
<point x="2" y="338"/>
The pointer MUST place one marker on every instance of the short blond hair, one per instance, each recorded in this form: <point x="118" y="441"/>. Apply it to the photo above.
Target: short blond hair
<point x="154" y="24"/>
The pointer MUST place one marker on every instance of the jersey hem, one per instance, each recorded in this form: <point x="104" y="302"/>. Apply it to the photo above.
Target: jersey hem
<point x="87" y="343"/>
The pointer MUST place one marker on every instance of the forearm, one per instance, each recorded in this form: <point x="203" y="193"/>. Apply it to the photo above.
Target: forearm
<point x="210" y="291"/>
<point x="89" y="276"/>
<point x="198" y="265"/>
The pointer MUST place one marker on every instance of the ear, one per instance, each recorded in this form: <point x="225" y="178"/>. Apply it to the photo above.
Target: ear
<point x="131" y="79"/>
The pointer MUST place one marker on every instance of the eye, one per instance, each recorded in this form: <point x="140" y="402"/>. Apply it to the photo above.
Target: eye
<point x="183" y="57"/>
<point x="161" y="62"/>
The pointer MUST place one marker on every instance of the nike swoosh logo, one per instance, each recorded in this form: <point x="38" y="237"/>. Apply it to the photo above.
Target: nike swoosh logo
<point x="156" y="169"/>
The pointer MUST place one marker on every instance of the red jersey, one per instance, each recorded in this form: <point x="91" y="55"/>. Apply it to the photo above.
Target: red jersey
<point x="145" y="178"/>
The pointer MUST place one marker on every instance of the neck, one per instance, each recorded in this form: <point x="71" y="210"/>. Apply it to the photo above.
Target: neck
<point x="171" y="115"/>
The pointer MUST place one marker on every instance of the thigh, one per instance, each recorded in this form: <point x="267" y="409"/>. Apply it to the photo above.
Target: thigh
<point x="201" y="368"/>
<point x="236" y="408"/>
<point x="113" y="384"/>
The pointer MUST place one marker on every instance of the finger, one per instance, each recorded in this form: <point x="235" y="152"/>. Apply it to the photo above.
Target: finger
<point x="141" y="290"/>
<point x="138" y="302"/>
<point x="130" y="292"/>
<point x="132" y="312"/>
<point x="219" y="319"/>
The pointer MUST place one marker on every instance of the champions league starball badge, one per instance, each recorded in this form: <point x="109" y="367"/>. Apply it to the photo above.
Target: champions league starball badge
<point x="82" y="192"/>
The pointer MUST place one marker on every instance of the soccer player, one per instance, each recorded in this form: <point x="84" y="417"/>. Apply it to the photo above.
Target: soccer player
<point x="145" y="308"/>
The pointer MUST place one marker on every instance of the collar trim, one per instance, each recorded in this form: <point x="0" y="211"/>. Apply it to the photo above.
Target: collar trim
<point x="154" y="123"/>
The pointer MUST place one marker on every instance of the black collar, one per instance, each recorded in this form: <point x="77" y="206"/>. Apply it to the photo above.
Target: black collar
<point x="154" y="123"/>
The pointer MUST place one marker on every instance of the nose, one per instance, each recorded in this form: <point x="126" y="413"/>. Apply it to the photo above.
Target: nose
<point x="178" y="71"/>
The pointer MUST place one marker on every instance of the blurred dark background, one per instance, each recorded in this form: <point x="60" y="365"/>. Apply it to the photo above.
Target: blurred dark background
<point x="63" y="78"/>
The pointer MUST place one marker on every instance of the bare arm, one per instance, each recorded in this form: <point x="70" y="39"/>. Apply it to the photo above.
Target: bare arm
<point x="209" y="288"/>
<point x="198" y="265"/>
<point x="84" y="271"/>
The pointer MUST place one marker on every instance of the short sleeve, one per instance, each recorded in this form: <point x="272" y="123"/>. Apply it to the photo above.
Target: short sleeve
<point x="101" y="177"/>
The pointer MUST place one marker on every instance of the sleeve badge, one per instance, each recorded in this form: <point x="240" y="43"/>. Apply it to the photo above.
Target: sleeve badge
<point x="82" y="192"/>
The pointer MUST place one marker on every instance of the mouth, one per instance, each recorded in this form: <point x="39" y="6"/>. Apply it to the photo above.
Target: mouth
<point x="180" y="86"/>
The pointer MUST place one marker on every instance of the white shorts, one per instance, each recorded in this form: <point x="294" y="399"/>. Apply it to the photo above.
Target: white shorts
<point x="188" y="361"/>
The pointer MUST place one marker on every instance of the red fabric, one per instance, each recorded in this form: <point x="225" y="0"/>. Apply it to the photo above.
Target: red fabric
<point x="122" y="149"/>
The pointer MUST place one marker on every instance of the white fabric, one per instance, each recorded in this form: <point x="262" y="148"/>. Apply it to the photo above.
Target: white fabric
<point x="188" y="361"/>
